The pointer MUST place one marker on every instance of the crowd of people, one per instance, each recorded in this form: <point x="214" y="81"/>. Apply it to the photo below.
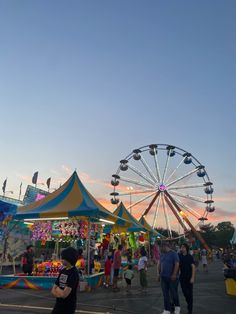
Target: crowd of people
<point x="175" y="266"/>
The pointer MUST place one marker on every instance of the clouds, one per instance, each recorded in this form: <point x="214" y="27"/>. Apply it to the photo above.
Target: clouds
<point x="228" y="197"/>
<point x="101" y="190"/>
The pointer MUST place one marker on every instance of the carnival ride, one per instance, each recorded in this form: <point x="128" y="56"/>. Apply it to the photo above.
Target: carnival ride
<point x="154" y="182"/>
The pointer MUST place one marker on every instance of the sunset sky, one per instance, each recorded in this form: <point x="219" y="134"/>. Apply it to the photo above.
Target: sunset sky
<point x="83" y="83"/>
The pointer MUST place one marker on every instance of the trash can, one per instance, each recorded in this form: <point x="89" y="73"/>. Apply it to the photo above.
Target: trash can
<point x="230" y="281"/>
<point x="230" y="286"/>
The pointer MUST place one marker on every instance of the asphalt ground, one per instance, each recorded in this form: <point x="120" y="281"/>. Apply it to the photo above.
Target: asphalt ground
<point x="209" y="297"/>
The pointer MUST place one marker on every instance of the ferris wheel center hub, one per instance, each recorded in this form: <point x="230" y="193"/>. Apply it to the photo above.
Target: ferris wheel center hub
<point x="162" y="188"/>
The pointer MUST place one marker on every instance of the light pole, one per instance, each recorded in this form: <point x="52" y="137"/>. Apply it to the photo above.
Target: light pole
<point x="130" y="188"/>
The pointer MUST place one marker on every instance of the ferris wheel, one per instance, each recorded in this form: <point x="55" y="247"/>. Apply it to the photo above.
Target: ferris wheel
<point x="167" y="185"/>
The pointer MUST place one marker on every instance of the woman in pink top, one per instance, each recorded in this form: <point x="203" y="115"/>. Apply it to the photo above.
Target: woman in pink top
<point x="116" y="266"/>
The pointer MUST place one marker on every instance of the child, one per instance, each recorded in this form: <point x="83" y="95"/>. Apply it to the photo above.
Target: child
<point x="108" y="265"/>
<point x="128" y="275"/>
<point x="65" y="287"/>
<point x="97" y="264"/>
<point x="142" y="268"/>
<point x="204" y="259"/>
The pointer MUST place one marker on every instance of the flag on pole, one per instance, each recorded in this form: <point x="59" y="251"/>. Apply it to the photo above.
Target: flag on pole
<point x="4" y="186"/>
<point x="48" y="182"/>
<point x="35" y="177"/>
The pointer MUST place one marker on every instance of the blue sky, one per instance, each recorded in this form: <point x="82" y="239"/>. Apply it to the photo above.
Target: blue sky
<point x="83" y="83"/>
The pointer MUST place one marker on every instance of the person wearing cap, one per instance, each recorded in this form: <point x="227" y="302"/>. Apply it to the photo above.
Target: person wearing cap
<point x="65" y="287"/>
<point x="27" y="260"/>
<point x="168" y="270"/>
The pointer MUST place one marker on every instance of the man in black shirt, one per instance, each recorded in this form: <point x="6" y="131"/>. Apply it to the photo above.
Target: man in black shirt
<point x="28" y="260"/>
<point x="187" y="275"/>
<point x="65" y="287"/>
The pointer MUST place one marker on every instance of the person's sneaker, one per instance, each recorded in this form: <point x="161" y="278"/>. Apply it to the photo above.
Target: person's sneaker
<point x="177" y="310"/>
<point x="165" y="312"/>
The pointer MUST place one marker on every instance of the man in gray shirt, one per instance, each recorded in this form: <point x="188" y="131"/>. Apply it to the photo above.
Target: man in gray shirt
<point x="168" y="270"/>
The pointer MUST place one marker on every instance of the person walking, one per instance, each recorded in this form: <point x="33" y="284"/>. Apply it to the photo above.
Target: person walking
<point x="168" y="270"/>
<point x="108" y="266"/>
<point x="129" y="275"/>
<point x="204" y="260"/>
<point x="116" y="267"/>
<point x="142" y="268"/>
<point x="187" y="275"/>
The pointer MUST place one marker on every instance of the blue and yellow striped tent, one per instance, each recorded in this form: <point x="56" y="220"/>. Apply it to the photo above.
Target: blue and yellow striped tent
<point x="70" y="200"/>
<point x="146" y="225"/>
<point x="123" y="214"/>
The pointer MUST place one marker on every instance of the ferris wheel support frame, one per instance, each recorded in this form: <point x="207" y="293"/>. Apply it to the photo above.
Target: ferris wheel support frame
<point x="193" y="229"/>
<point x="151" y="204"/>
<point x="175" y="213"/>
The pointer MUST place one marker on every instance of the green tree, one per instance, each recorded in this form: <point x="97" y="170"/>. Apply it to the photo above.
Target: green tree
<point x="165" y="232"/>
<point x="208" y="233"/>
<point x="224" y="233"/>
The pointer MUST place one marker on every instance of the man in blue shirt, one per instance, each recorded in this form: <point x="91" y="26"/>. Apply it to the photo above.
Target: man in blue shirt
<point x="168" y="270"/>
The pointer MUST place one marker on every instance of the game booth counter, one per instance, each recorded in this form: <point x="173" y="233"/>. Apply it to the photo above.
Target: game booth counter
<point x="71" y="210"/>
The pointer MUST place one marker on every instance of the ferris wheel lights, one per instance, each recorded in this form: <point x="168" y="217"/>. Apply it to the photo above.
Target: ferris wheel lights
<point x="183" y="214"/>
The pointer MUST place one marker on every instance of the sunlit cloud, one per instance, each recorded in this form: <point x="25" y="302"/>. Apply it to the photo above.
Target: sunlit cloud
<point x="66" y="169"/>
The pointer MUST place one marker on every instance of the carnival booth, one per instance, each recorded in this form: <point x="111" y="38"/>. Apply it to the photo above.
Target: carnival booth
<point x="71" y="211"/>
<point x="131" y="237"/>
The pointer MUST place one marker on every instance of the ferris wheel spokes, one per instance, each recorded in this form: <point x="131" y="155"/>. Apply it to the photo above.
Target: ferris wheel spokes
<point x="139" y="183"/>
<point x="186" y="207"/>
<point x="166" y="166"/>
<point x="156" y="211"/>
<point x="141" y="174"/>
<point x="166" y="216"/>
<point x="157" y="165"/>
<point x="136" y="192"/>
<point x="188" y="186"/>
<point x="183" y="177"/>
<point x="190" y="197"/>
<point x="148" y="169"/>
<point x="173" y="172"/>
<point x="141" y="200"/>
<point x="176" y="213"/>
